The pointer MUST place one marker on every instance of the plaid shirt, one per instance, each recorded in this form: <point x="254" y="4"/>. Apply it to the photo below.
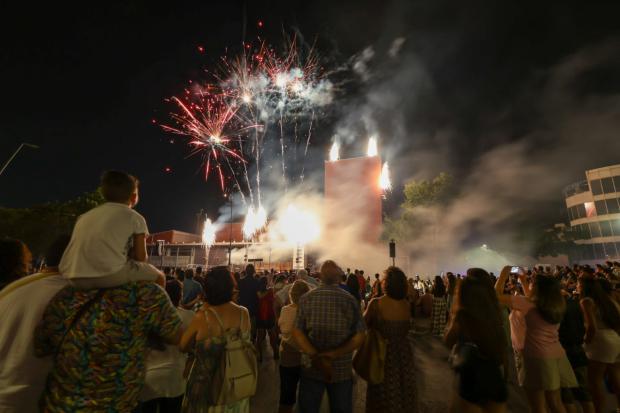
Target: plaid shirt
<point x="329" y="317"/>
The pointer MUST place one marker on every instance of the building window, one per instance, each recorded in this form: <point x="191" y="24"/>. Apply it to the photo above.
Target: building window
<point x="601" y="207"/>
<point x="599" y="251"/>
<point x="608" y="185"/>
<point x="581" y="210"/>
<point x="610" y="250"/>
<point x="612" y="206"/>
<point x="617" y="182"/>
<point x="595" y="229"/>
<point x="597" y="189"/>
<point x="585" y="231"/>
<point x="587" y="252"/>
<point x="615" y="227"/>
<point x="605" y="228"/>
<point x="590" y="209"/>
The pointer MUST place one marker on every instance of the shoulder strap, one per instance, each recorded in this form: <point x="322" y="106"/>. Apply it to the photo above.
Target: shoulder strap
<point x="217" y="318"/>
<point x="80" y="312"/>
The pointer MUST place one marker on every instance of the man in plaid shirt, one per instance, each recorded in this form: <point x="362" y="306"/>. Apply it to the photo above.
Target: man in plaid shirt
<point x="328" y="328"/>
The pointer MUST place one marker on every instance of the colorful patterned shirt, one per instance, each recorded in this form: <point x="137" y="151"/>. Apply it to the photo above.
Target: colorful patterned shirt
<point x="329" y="317"/>
<point x="100" y="366"/>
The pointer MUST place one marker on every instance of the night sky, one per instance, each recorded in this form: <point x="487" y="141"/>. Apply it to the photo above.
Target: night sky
<point x="84" y="82"/>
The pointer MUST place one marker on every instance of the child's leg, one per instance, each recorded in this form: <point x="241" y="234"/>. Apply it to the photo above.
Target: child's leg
<point x="132" y="271"/>
<point x="141" y="271"/>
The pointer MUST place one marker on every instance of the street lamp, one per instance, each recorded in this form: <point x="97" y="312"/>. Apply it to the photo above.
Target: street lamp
<point x="29" y="145"/>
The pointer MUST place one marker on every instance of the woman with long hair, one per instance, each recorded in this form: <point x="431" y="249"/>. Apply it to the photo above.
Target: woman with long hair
<point x="390" y="315"/>
<point x="602" y="339"/>
<point x="479" y="342"/>
<point x="439" y="313"/>
<point x="545" y="369"/>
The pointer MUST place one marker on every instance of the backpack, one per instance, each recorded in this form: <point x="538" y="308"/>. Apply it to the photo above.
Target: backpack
<point x="236" y="376"/>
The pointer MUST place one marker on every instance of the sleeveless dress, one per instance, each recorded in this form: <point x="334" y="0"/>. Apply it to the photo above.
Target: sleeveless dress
<point x="397" y="393"/>
<point x="200" y="377"/>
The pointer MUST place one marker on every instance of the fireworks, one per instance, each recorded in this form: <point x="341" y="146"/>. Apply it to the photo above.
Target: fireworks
<point x="299" y="226"/>
<point x="384" y="180"/>
<point x="334" y="152"/>
<point x="208" y="233"/>
<point x="251" y="106"/>
<point x="372" y="146"/>
<point x="254" y="221"/>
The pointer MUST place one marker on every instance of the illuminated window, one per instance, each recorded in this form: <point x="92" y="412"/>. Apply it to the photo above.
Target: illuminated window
<point x="590" y="209"/>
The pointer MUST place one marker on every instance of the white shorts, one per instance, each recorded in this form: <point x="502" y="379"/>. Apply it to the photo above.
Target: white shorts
<point x="604" y="347"/>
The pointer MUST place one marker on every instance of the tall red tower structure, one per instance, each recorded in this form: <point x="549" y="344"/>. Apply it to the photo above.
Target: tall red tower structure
<point x="352" y="186"/>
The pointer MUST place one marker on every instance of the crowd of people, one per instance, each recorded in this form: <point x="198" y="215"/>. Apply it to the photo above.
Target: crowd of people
<point x="97" y="329"/>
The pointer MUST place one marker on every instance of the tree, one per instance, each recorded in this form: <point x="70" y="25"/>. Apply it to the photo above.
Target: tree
<point x="40" y="225"/>
<point x="555" y="241"/>
<point x="428" y="193"/>
<point x="434" y="194"/>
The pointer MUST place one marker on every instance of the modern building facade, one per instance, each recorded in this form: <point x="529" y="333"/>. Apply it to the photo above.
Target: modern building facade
<point x="593" y="208"/>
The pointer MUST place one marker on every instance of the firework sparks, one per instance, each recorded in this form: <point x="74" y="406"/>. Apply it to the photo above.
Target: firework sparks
<point x="384" y="180"/>
<point x="208" y="233"/>
<point x="260" y="101"/>
<point x="299" y="226"/>
<point x="372" y="146"/>
<point x="334" y="152"/>
<point x="209" y="124"/>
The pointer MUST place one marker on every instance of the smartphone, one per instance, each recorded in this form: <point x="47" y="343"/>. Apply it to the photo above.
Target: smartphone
<point x="514" y="270"/>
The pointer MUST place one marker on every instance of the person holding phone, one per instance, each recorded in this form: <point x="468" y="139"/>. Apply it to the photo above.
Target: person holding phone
<point x="545" y="368"/>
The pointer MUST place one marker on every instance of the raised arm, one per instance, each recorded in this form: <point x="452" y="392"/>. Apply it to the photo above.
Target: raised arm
<point x="499" y="287"/>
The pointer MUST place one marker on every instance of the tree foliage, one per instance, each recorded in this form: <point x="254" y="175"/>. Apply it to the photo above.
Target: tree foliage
<point x="434" y="193"/>
<point x="40" y="225"/>
<point x="428" y="193"/>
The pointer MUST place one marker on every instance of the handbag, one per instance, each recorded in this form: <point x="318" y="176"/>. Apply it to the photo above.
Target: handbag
<point x="463" y="353"/>
<point x="369" y="361"/>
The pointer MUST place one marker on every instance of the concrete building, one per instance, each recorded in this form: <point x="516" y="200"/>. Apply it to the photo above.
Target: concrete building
<point x="593" y="209"/>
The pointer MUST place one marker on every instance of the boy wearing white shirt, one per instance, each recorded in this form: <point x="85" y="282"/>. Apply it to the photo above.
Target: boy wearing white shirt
<point x="108" y="244"/>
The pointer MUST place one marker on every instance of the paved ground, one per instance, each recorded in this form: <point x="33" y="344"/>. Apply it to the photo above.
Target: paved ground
<point x="434" y="378"/>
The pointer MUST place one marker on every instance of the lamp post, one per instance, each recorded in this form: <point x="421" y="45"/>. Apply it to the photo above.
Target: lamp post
<point x="6" y="164"/>
<point x="230" y="231"/>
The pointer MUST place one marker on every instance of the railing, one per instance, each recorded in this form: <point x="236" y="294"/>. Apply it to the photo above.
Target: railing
<point x="576" y="188"/>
